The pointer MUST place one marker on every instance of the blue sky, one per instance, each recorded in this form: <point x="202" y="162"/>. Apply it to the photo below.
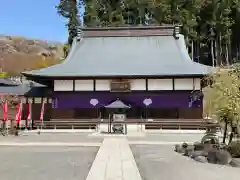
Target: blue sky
<point x="32" y="19"/>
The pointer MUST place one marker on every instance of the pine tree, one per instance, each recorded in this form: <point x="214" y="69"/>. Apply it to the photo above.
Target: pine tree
<point x="69" y="10"/>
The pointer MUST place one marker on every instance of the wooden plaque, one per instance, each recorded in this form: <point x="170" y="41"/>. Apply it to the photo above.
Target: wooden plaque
<point x="120" y="85"/>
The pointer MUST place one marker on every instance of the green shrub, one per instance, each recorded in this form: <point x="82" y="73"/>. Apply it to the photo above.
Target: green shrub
<point x="3" y="74"/>
<point x="234" y="149"/>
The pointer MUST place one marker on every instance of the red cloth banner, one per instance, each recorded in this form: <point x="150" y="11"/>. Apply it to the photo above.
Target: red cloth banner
<point x="42" y="112"/>
<point x="19" y="113"/>
<point x="29" y="112"/>
<point x="5" y="110"/>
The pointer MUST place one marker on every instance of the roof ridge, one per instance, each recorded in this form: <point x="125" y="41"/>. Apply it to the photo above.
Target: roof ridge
<point x="128" y="28"/>
<point x="137" y="31"/>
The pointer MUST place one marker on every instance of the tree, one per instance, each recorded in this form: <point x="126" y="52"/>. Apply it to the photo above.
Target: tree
<point x="3" y="74"/>
<point x="65" y="50"/>
<point x="210" y="26"/>
<point x="69" y="10"/>
<point x="222" y="97"/>
<point x="11" y="99"/>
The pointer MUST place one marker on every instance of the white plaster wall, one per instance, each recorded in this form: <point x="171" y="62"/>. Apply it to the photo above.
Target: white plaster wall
<point x="102" y="85"/>
<point x="160" y="84"/>
<point x="37" y="100"/>
<point x="63" y="85"/>
<point x="138" y="84"/>
<point x="184" y="84"/>
<point x="197" y="83"/>
<point x="83" y="85"/>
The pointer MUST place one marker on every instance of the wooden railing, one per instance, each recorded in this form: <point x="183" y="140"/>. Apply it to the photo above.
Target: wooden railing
<point x="93" y="124"/>
<point x="65" y="124"/>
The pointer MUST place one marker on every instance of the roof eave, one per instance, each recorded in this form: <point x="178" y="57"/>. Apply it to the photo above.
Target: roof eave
<point x="33" y="76"/>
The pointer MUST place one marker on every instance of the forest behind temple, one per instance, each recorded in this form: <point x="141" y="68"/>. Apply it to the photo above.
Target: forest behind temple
<point x="211" y="27"/>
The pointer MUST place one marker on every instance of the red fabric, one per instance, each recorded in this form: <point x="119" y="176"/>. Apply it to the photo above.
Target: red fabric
<point x="29" y="112"/>
<point x="19" y="113"/>
<point x="5" y="110"/>
<point x="42" y="112"/>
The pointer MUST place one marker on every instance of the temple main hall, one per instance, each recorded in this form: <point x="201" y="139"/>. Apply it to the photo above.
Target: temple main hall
<point x="146" y="68"/>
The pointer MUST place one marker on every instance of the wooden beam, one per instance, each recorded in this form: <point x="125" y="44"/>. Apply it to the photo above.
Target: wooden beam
<point x="94" y="85"/>
<point x="146" y="84"/>
<point x="173" y="84"/>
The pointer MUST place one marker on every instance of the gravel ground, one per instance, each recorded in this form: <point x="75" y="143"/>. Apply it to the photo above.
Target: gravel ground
<point x="54" y="137"/>
<point x="41" y="163"/>
<point x="161" y="162"/>
<point x="168" y="137"/>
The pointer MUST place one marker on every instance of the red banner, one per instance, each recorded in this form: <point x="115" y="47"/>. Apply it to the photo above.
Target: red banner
<point x="19" y="113"/>
<point x="5" y="110"/>
<point x="29" y="112"/>
<point x="42" y="112"/>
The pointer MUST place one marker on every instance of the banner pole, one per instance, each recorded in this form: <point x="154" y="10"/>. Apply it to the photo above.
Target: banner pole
<point x="6" y="126"/>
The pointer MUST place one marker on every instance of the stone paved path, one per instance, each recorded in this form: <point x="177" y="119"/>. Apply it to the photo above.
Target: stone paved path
<point x="114" y="161"/>
<point x="154" y="158"/>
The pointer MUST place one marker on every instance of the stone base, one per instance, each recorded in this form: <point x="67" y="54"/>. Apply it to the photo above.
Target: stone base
<point x="130" y="128"/>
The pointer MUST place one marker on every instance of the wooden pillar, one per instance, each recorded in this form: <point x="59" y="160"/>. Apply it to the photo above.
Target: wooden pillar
<point x="26" y="120"/>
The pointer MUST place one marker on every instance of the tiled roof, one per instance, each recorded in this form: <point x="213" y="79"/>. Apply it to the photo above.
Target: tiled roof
<point x="117" y="104"/>
<point x="7" y="82"/>
<point x="24" y="89"/>
<point x="143" y="55"/>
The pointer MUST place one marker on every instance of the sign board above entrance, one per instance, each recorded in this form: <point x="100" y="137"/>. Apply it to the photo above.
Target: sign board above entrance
<point x="120" y="85"/>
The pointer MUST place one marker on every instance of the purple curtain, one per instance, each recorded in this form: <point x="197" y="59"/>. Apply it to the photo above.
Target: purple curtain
<point x="100" y="99"/>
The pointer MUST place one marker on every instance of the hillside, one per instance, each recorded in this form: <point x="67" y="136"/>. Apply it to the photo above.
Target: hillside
<point x="19" y="54"/>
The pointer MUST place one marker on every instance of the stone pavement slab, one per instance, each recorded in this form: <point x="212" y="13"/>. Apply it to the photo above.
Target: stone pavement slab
<point x="159" y="142"/>
<point x="67" y="131"/>
<point x="46" y="163"/>
<point x="171" y="131"/>
<point x="114" y="161"/>
<point x="129" y="134"/>
<point x="158" y="162"/>
<point x="168" y="137"/>
<point x="54" y="137"/>
<point x="63" y="144"/>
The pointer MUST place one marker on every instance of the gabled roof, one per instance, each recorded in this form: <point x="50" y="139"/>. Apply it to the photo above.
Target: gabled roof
<point x="126" y="52"/>
<point x="7" y="82"/>
<point x="18" y="90"/>
<point x="36" y="90"/>
<point x="118" y="104"/>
